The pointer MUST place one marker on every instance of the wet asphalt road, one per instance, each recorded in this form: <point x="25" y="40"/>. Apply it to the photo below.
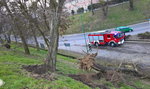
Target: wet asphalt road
<point x="124" y="53"/>
<point x="79" y="38"/>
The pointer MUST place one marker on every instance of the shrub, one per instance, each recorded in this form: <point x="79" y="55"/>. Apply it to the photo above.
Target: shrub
<point x="72" y="12"/>
<point x="95" y="6"/>
<point x="145" y="35"/>
<point x="127" y="37"/>
<point x="119" y="1"/>
<point x="80" y="10"/>
<point x="98" y="5"/>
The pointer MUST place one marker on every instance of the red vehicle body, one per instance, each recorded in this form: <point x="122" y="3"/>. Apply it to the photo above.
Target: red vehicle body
<point x="112" y="38"/>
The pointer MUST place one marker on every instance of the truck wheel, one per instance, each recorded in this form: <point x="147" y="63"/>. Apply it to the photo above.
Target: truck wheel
<point x="130" y="30"/>
<point x="96" y="44"/>
<point x="112" y="44"/>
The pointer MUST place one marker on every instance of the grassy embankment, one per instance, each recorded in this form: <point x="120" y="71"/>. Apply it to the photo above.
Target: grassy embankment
<point x="15" y="77"/>
<point x="117" y="16"/>
<point x="11" y="62"/>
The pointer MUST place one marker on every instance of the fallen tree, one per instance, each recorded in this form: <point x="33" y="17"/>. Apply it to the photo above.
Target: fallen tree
<point x="88" y="63"/>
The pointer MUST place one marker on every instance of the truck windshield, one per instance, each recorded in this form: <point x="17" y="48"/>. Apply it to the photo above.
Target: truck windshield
<point x="119" y="35"/>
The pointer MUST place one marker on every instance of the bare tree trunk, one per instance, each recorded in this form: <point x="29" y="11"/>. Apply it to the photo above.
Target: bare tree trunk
<point x="43" y="35"/>
<point x="1" y="40"/>
<point x="7" y="38"/>
<point x="16" y="39"/>
<point x="92" y="7"/>
<point x="53" y="47"/>
<point x="25" y="45"/>
<point x="105" y="9"/>
<point x="54" y="34"/>
<point x="131" y="5"/>
<point x="15" y="36"/>
<point x="35" y="39"/>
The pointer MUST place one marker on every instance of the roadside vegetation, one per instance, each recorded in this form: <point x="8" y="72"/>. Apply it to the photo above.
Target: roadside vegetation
<point x="118" y="15"/>
<point x="145" y="35"/>
<point x="16" y="77"/>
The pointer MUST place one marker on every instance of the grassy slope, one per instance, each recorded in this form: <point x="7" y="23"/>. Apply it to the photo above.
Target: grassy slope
<point x="117" y="16"/>
<point x="16" y="78"/>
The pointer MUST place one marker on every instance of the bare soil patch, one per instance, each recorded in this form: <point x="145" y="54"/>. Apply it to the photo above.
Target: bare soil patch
<point x="88" y="80"/>
<point x="92" y="79"/>
<point x="39" y="71"/>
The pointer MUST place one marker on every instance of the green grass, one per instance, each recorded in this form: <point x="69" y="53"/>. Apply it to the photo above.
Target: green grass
<point x="117" y="16"/>
<point x="142" y="84"/>
<point x="15" y="77"/>
<point x="11" y="62"/>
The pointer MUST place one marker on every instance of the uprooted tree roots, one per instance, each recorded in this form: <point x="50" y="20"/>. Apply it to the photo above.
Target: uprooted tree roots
<point x="87" y="61"/>
<point x="111" y="74"/>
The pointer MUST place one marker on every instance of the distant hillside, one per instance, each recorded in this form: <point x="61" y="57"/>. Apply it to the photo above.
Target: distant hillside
<point x="118" y="15"/>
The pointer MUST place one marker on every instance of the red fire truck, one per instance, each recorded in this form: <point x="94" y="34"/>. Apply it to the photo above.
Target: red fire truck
<point x="112" y="38"/>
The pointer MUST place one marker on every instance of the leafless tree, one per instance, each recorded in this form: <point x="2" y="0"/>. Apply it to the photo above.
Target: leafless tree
<point x="42" y="16"/>
<point x="14" y="14"/>
<point x="50" y="12"/>
<point x="104" y="7"/>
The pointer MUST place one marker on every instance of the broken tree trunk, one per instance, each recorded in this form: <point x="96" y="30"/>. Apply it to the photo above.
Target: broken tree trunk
<point x="104" y="69"/>
<point x="88" y="63"/>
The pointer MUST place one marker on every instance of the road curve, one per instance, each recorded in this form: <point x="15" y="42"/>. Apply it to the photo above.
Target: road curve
<point x="77" y="44"/>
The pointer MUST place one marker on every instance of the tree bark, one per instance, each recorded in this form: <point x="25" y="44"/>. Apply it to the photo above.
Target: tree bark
<point x="16" y="39"/>
<point x="15" y="36"/>
<point x="1" y="40"/>
<point x="138" y="73"/>
<point x="7" y="38"/>
<point x="52" y="49"/>
<point x="131" y="5"/>
<point x="92" y="7"/>
<point x="105" y="9"/>
<point x="35" y="39"/>
<point x="25" y="45"/>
